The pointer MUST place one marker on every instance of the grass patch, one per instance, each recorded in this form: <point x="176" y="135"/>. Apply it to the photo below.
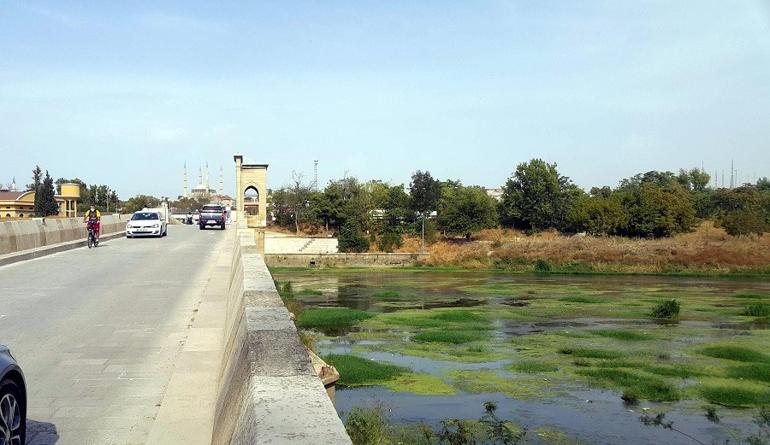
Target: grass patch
<point x="586" y="300"/>
<point x="357" y="371"/>
<point x="591" y="353"/>
<point x="735" y="395"/>
<point x="331" y="318"/>
<point x="750" y="296"/>
<point x="676" y="370"/>
<point x="453" y="337"/>
<point x="456" y="316"/>
<point x="388" y="294"/>
<point x="487" y="381"/>
<point x="623" y="334"/>
<point x="641" y="386"/>
<point x="736" y="353"/>
<point x="422" y="384"/>
<point x="754" y="371"/>
<point x="534" y="367"/>
<point x="310" y="292"/>
<point x="459" y="319"/>
<point x="757" y="310"/>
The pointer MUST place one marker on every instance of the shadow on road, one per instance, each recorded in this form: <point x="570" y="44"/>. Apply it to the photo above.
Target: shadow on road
<point x="41" y="433"/>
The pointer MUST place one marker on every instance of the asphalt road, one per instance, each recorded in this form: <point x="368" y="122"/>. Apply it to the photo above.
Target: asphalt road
<point x="97" y="331"/>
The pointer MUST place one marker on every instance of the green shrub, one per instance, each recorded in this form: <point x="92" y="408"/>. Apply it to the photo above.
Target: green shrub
<point x="352" y="239"/>
<point x="331" y="318"/>
<point x="736" y="353"/>
<point x="358" y="371"/>
<point x="667" y="310"/>
<point x="368" y="426"/>
<point x="542" y="265"/>
<point x="453" y="337"/>
<point x="591" y="353"/>
<point x="757" y="310"/>
<point x="310" y="292"/>
<point x="390" y="241"/>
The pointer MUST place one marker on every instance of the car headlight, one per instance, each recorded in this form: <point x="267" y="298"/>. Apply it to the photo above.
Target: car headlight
<point x="129" y="226"/>
<point x="156" y="225"/>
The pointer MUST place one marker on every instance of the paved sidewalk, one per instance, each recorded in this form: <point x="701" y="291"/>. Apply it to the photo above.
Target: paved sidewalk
<point x="187" y="411"/>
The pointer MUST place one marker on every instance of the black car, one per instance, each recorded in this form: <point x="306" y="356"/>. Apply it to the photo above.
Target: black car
<point x="212" y="215"/>
<point x="13" y="401"/>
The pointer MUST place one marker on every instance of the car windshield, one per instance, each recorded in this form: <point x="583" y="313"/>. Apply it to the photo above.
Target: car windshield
<point x="144" y="216"/>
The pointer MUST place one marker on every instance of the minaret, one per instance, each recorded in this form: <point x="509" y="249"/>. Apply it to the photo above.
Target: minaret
<point x="13" y="184"/>
<point x="207" y="178"/>
<point x="221" y="181"/>
<point x="185" y="192"/>
<point x="200" y="175"/>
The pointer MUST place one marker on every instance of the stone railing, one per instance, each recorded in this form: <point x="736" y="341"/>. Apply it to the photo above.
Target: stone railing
<point x="19" y="236"/>
<point x="268" y="389"/>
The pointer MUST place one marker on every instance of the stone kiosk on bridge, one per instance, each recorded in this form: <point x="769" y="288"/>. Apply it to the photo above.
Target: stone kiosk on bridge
<point x="251" y="192"/>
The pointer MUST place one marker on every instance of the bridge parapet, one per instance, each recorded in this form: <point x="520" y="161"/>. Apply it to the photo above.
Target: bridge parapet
<point x="269" y="391"/>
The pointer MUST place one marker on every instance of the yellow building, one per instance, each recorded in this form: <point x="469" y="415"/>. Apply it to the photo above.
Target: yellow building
<point x="21" y="205"/>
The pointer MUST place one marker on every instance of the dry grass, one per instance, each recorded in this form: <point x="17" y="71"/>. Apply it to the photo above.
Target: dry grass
<point x="470" y="255"/>
<point x="708" y="249"/>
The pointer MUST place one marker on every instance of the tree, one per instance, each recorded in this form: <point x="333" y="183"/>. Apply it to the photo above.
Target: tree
<point x="299" y="199"/>
<point x="45" y="198"/>
<point x="655" y="210"/>
<point x="352" y="239"/>
<point x="37" y="179"/>
<point x="396" y="212"/>
<point x="695" y="180"/>
<point x="763" y="184"/>
<point x="425" y="192"/>
<point x="597" y="215"/>
<point x="464" y="210"/>
<point x="744" y="222"/>
<point x="139" y="202"/>
<point x="536" y="197"/>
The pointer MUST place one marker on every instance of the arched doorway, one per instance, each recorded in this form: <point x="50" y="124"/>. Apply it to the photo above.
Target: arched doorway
<point x="251" y="200"/>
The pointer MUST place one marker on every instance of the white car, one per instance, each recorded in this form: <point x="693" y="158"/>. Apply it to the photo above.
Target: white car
<point x="146" y="224"/>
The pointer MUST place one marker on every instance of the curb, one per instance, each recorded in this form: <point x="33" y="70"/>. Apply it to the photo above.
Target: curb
<point x="54" y="248"/>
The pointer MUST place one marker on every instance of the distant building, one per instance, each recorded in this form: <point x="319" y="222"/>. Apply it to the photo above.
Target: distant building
<point x="495" y="193"/>
<point x="21" y="205"/>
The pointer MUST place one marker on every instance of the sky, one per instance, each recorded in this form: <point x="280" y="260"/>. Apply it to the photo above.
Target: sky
<point x="124" y="93"/>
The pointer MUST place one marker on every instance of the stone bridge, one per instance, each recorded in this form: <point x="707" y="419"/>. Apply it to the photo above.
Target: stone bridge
<point x="181" y="339"/>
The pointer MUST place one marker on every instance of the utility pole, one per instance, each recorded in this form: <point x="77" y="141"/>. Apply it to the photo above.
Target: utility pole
<point x="315" y="174"/>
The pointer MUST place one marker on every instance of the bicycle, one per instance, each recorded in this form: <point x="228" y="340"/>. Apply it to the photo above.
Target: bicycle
<point x="92" y="240"/>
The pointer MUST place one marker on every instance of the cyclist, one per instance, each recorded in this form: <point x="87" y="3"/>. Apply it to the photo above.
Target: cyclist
<point x="93" y="219"/>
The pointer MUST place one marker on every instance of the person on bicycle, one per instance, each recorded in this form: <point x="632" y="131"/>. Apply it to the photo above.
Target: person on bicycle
<point x="93" y="220"/>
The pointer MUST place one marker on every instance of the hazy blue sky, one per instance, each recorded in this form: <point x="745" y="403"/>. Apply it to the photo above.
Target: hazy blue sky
<point x="125" y="92"/>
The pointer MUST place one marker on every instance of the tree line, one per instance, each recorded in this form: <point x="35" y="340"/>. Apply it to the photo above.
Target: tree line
<point x="535" y="198"/>
<point x="101" y="196"/>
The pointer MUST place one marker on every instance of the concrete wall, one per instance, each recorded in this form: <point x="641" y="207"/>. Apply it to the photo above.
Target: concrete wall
<point x="343" y="259"/>
<point x="269" y="392"/>
<point x="17" y="236"/>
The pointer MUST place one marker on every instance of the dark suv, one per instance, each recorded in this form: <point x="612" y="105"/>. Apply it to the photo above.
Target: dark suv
<point x="13" y="400"/>
<point x="212" y="215"/>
